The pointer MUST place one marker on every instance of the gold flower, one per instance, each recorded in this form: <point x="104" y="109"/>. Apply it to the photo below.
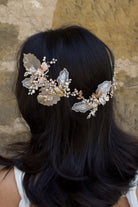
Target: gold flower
<point x="48" y="99"/>
<point x="59" y="91"/>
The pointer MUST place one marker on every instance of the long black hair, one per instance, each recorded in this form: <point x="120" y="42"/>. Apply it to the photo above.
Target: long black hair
<point x="71" y="161"/>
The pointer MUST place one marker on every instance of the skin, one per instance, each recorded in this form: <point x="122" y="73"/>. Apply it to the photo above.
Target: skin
<point x="10" y="197"/>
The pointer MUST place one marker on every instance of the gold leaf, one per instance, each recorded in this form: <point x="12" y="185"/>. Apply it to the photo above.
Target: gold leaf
<point x="31" y="61"/>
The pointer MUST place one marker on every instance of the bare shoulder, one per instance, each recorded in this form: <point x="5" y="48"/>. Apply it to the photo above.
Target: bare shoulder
<point x="123" y="202"/>
<point x="9" y="195"/>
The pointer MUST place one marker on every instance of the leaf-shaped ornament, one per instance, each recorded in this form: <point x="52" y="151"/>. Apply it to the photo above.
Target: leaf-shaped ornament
<point x="63" y="76"/>
<point x="104" y="86"/>
<point x="31" y="63"/>
<point x="80" y="107"/>
<point x="26" y="83"/>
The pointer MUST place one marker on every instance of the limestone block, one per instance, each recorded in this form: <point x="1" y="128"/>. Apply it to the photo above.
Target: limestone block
<point x="8" y="105"/>
<point x="6" y="139"/>
<point x="114" y="22"/>
<point x="4" y="2"/>
<point x="8" y="41"/>
<point x="17" y="126"/>
<point x="126" y="97"/>
<point x="32" y="16"/>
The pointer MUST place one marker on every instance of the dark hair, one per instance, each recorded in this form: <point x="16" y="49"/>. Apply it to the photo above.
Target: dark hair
<point x="71" y="161"/>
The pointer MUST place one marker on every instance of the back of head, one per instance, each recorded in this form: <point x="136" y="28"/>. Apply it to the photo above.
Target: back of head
<point x="71" y="154"/>
<point x="89" y="63"/>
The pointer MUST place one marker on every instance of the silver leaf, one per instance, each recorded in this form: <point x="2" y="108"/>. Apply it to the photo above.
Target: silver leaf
<point x="104" y="86"/>
<point x="80" y="107"/>
<point x="26" y="83"/>
<point x="63" y="76"/>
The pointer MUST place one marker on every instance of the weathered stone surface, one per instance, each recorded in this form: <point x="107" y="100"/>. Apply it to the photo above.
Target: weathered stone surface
<point x="115" y="22"/>
<point x="32" y="16"/>
<point x="8" y="41"/>
<point x="4" y="2"/>
<point x="8" y="106"/>
<point x="17" y="126"/>
<point x="126" y="108"/>
<point x="126" y="97"/>
<point x="16" y="130"/>
<point x="5" y="140"/>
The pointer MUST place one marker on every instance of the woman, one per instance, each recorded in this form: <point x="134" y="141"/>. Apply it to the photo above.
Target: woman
<point x="76" y="155"/>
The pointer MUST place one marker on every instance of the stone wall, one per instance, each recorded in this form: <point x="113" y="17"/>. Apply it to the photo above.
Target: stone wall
<point x="18" y="20"/>
<point x="114" y="22"/>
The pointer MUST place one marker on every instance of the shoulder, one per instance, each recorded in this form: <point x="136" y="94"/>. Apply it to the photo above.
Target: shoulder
<point x="123" y="202"/>
<point x="9" y="195"/>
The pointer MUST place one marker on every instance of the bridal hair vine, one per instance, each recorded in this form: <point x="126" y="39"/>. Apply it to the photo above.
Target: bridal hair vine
<point x="51" y="91"/>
